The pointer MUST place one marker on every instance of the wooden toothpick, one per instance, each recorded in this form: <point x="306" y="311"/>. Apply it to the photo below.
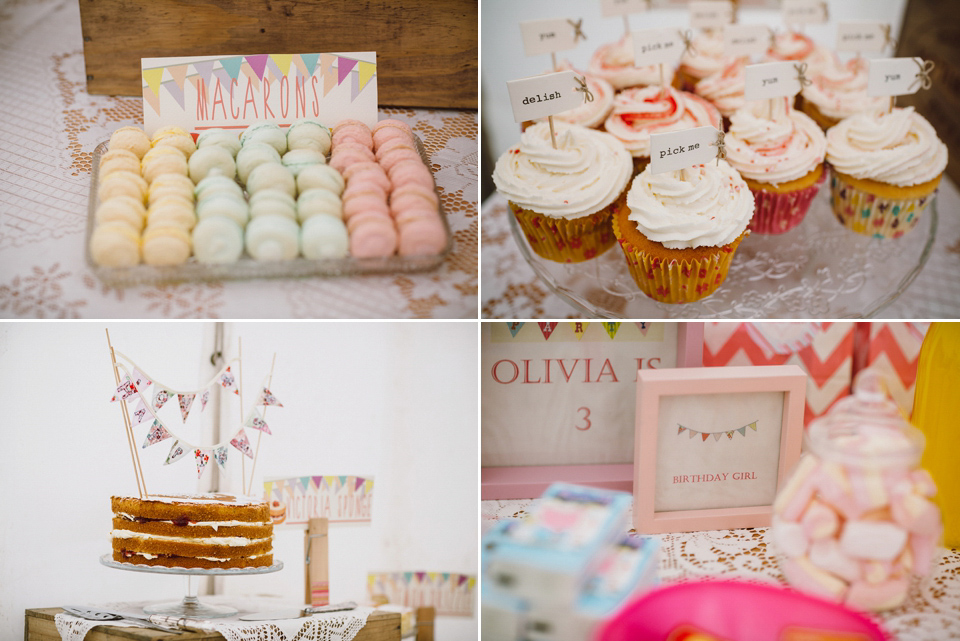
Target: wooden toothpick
<point x="243" y="459"/>
<point x="626" y="26"/>
<point x="137" y="470"/>
<point x="663" y="85"/>
<point x="256" y="453"/>
<point x="553" y="60"/>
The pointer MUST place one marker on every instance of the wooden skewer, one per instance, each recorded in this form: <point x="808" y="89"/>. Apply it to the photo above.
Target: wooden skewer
<point x="256" y="452"/>
<point x="137" y="470"/>
<point x="553" y="134"/>
<point x="626" y="26"/>
<point x="663" y="85"/>
<point x="243" y="459"/>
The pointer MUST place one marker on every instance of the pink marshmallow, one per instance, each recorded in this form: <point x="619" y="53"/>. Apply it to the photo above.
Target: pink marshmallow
<point x="923" y="483"/>
<point x="878" y="596"/>
<point x="819" y="521"/>
<point x="826" y="554"/>
<point x="789" y="538"/>
<point x="924" y="548"/>
<point x="877" y="571"/>
<point x="792" y="500"/>
<point x="869" y="490"/>
<point x="833" y="484"/>
<point x="805" y="576"/>
<point x="915" y="513"/>
<point x="872" y="540"/>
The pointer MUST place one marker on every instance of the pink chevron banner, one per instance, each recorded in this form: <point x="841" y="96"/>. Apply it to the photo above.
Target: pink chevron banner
<point x="235" y="91"/>
<point x="893" y="348"/>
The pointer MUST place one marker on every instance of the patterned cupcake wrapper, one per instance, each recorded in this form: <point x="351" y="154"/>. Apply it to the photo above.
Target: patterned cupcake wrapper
<point x="779" y="212"/>
<point x="676" y="281"/>
<point x="873" y="215"/>
<point x="568" y="241"/>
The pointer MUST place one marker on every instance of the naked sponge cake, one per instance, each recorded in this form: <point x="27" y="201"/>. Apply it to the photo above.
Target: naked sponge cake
<point x="192" y="531"/>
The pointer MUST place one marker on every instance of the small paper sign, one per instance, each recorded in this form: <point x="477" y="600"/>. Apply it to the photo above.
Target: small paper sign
<point x="341" y="499"/>
<point x="234" y="91"/>
<point x="675" y="150"/>
<point x="549" y="36"/>
<point x="804" y="11"/>
<point x="710" y="14"/>
<point x="745" y="39"/>
<point x="897" y="76"/>
<point x="545" y="95"/>
<point x="772" y="80"/>
<point x="612" y="8"/>
<point x="657" y="46"/>
<point x="452" y="594"/>
<point x="862" y="36"/>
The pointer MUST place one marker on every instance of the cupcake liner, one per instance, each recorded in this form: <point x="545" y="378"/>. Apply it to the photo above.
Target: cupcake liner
<point x="873" y="215"/>
<point x="778" y="212"/>
<point x="569" y="240"/>
<point x="678" y="280"/>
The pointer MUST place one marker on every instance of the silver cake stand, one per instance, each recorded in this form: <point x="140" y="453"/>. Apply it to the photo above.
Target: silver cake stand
<point x="190" y="606"/>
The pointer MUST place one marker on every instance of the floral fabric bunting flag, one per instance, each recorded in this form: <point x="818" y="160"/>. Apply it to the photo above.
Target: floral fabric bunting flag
<point x="140" y="414"/>
<point x="220" y="456"/>
<point x="257" y="423"/>
<point x="160" y="397"/>
<point x="202" y="457"/>
<point x="241" y="442"/>
<point x="177" y="452"/>
<point x="156" y="434"/>
<point x="140" y="379"/>
<point x="203" y="399"/>
<point x="186" y="402"/>
<point x="125" y="391"/>
<point x="228" y="382"/>
<point x="267" y="398"/>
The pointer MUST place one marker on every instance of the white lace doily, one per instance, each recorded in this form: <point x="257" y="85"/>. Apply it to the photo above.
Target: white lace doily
<point x="333" y="626"/>
<point x="931" y="612"/>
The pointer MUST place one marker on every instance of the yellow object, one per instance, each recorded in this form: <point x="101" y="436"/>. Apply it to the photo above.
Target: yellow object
<point x="935" y="414"/>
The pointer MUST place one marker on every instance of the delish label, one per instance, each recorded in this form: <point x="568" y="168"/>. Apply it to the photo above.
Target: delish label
<point x="771" y="80"/>
<point x="804" y="11"/>
<point x="862" y="36"/>
<point x="545" y="95"/>
<point x="745" y="39"/>
<point x="657" y="46"/>
<point x="612" y="8"/>
<point x="681" y="149"/>
<point x="894" y="76"/>
<point x="547" y="36"/>
<point x="710" y="14"/>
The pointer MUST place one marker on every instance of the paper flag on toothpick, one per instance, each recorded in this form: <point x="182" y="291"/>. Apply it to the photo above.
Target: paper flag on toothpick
<point x="125" y="391"/>
<point x="203" y="399"/>
<point x="242" y="443"/>
<point x="177" y="452"/>
<point x="256" y="422"/>
<point x="228" y="382"/>
<point x="159" y="398"/>
<point x="156" y="434"/>
<point x="267" y="398"/>
<point x="220" y="456"/>
<point x="186" y="402"/>
<point x="202" y="457"/>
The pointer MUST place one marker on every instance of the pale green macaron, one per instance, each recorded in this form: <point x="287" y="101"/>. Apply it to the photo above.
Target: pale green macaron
<point x="322" y="177"/>
<point x="265" y="132"/>
<point x="253" y="155"/>
<point x="297" y="160"/>
<point x="316" y="202"/>
<point x="225" y="138"/>
<point x="225" y="205"/>
<point x="267" y="202"/>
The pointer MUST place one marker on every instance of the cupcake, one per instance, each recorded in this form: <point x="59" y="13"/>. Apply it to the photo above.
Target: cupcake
<point x="639" y="112"/>
<point x="680" y="229"/>
<point x="615" y="63"/>
<point x="780" y="159"/>
<point x="885" y="169"/>
<point x="800" y="48"/>
<point x="725" y="88"/>
<point x="838" y="91"/>
<point x="564" y="198"/>
<point x="704" y="59"/>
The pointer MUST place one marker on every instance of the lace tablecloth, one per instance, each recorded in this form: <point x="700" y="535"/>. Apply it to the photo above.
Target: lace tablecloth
<point x="931" y="612"/>
<point x="511" y="289"/>
<point x="48" y="132"/>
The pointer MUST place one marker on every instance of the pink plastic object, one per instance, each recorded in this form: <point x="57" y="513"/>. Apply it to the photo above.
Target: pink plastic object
<point x="736" y="611"/>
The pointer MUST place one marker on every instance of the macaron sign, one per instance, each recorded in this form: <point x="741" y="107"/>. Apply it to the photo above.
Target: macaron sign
<point x="232" y="92"/>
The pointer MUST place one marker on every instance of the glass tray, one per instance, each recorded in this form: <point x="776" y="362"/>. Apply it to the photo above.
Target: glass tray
<point x="819" y="269"/>
<point x="248" y="268"/>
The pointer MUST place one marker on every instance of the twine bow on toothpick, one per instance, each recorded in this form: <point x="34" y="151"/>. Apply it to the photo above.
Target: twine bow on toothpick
<point x="801" y="74"/>
<point x="826" y="11"/>
<point x="773" y="38"/>
<point x="687" y="37"/>
<point x="887" y="38"/>
<point x="721" y="147"/>
<point x="577" y="31"/>
<point x="923" y="75"/>
<point x="587" y="94"/>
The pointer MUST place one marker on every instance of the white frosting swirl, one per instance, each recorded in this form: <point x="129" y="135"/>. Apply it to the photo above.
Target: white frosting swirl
<point x="774" y="150"/>
<point x="840" y="89"/>
<point x="707" y="56"/>
<point x="587" y="171"/>
<point x="725" y="88"/>
<point x="614" y="63"/>
<point x="702" y="206"/>
<point x="899" y="148"/>
<point x="791" y="45"/>
<point x="641" y="111"/>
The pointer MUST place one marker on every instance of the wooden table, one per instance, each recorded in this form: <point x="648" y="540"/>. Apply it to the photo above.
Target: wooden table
<point x="39" y="626"/>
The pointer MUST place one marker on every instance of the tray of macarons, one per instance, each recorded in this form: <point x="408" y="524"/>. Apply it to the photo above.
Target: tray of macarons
<point x="267" y="202"/>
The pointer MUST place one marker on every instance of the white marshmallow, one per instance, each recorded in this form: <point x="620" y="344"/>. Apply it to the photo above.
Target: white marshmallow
<point x="876" y="540"/>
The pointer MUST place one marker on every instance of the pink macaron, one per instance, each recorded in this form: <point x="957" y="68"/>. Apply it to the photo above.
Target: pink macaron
<point x="368" y="217"/>
<point x="407" y="172"/>
<point x="390" y="129"/>
<point x="396" y="156"/>
<point x="366" y="202"/>
<point x="422" y="237"/>
<point x="340" y="162"/>
<point x="353" y="146"/>
<point x="366" y="165"/>
<point x="359" y="189"/>
<point x="354" y="132"/>
<point x="374" y="176"/>
<point x="373" y="240"/>
<point x="394" y="143"/>
<point x="408" y="215"/>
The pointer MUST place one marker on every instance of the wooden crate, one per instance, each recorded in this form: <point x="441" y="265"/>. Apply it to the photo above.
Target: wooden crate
<point x="39" y="626"/>
<point x="426" y="49"/>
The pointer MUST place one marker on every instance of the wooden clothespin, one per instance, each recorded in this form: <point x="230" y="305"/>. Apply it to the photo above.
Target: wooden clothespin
<point x="316" y="563"/>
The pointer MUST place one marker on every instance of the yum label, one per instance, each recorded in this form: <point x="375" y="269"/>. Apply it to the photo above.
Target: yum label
<point x="771" y="80"/>
<point x="893" y="76"/>
<point x="804" y="11"/>
<point x="745" y="39"/>
<point x="680" y="149"/>
<point x="547" y="36"/>
<point x="657" y="46"/>
<point x="862" y="36"/>
<point x="613" y="8"/>
<point x="545" y="95"/>
<point x="710" y="14"/>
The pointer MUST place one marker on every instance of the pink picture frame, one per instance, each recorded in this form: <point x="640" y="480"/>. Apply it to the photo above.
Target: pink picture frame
<point x="654" y="386"/>
<point x="530" y="481"/>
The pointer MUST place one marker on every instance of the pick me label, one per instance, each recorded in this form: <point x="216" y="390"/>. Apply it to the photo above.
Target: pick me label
<point x="548" y="36"/>
<point x="710" y="14"/>
<point x="612" y="8"/>
<point x="771" y="80"/>
<point x="862" y="36"/>
<point x="675" y="150"/>
<point x="542" y="96"/>
<point x="804" y="11"/>
<point x="657" y="46"/>
<point x="745" y="39"/>
<point x="897" y="76"/>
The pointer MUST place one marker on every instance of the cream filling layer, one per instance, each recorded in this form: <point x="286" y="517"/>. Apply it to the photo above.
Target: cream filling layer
<point x="213" y="524"/>
<point x="205" y="558"/>
<point x="232" y="541"/>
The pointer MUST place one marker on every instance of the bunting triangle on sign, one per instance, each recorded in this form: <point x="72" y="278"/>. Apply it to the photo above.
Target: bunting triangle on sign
<point x="344" y="67"/>
<point x="177" y="452"/>
<point x="693" y="433"/>
<point x="716" y="436"/>
<point x="730" y="435"/>
<point x="354" y="87"/>
<point x="186" y="402"/>
<point x="743" y="430"/>
<point x="579" y="329"/>
<point x="202" y="457"/>
<point x="204" y="68"/>
<point x="753" y="426"/>
<point x="547" y="329"/>
<point x="242" y="443"/>
<point x="514" y="328"/>
<point x="680" y="431"/>
<point x="258" y="64"/>
<point x="176" y="92"/>
<point x="643" y="327"/>
<point x="282" y="60"/>
<point x="326" y="70"/>
<point x="179" y="74"/>
<point x="309" y="61"/>
<point x="705" y="436"/>
<point x="228" y="382"/>
<point x="153" y="78"/>
<point x="156" y="434"/>
<point x="612" y="329"/>
<point x="124" y="391"/>
<point x="365" y="71"/>
<point x="232" y="66"/>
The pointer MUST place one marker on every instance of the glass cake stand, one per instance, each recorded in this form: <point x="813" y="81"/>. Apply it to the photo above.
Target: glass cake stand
<point x="190" y="606"/>
<point x="820" y="269"/>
